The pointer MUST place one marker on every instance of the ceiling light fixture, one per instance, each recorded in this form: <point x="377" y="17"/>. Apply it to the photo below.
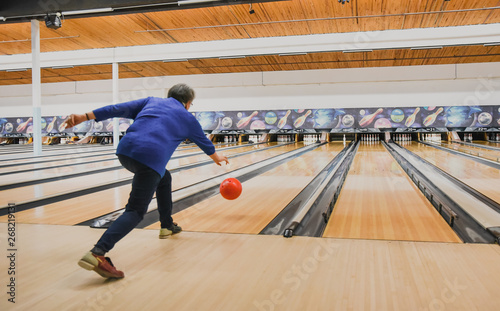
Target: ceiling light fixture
<point x="356" y="51"/>
<point x="426" y="47"/>
<point x="16" y="70"/>
<point x="89" y="11"/>
<point x="232" y="57"/>
<point x="183" y="2"/>
<point x="292" y="54"/>
<point x="175" y="60"/>
<point x="63" y="67"/>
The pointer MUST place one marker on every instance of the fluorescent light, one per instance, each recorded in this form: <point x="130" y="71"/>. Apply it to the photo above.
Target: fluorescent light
<point x="356" y="51"/>
<point x="492" y="44"/>
<point x="17" y="69"/>
<point x="232" y="57"/>
<point x="292" y="54"/>
<point x="426" y="47"/>
<point x="62" y="67"/>
<point x="175" y="60"/>
<point x="194" y="1"/>
<point x="90" y="11"/>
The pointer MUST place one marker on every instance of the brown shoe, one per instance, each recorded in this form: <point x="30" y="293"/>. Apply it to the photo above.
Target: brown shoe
<point x="100" y="264"/>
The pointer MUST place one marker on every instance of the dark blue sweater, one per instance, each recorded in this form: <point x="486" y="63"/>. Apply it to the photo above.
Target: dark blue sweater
<point x="160" y="125"/>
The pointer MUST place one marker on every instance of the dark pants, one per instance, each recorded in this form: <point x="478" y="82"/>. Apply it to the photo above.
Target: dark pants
<point x="145" y="183"/>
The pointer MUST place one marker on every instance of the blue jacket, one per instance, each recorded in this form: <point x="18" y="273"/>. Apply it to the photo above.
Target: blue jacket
<point x="160" y="125"/>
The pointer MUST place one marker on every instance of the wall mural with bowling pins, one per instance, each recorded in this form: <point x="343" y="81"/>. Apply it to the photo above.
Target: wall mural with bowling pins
<point x="53" y="126"/>
<point x="352" y="118"/>
<point x="292" y="119"/>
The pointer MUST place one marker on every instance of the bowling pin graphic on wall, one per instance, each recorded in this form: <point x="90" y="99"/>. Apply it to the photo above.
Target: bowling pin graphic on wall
<point x="367" y="120"/>
<point x="23" y="125"/>
<point x="300" y="120"/>
<point x="51" y="125"/>
<point x="411" y="119"/>
<point x="429" y="120"/>
<point x="245" y="121"/>
<point x="283" y="120"/>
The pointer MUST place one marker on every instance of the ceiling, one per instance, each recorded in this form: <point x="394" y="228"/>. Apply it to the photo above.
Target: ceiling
<point x="271" y="19"/>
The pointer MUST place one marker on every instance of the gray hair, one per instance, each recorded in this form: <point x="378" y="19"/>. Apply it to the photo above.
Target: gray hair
<point x="182" y="92"/>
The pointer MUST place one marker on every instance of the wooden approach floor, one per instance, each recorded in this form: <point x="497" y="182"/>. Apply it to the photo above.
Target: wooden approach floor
<point x="216" y="271"/>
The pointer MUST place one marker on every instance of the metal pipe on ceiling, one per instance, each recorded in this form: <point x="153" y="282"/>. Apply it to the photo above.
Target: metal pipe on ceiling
<point x="323" y="19"/>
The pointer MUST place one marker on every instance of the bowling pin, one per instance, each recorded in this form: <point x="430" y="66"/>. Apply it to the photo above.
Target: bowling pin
<point x="411" y="119"/>
<point x="282" y="121"/>
<point x="244" y="122"/>
<point x="429" y="120"/>
<point x="300" y="120"/>
<point x="366" y="120"/>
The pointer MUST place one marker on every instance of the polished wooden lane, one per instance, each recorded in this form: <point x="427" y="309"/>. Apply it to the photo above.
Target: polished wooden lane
<point x="86" y="207"/>
<point x="75" y="153"/>
<point x="38" y="191"/>
<point x="60" y="171"/>
<point x="56" y="155"/>
<point x="379" y="201"/>
<point x="54" y="187"/>
<point x="227" y="272"/>
<point x="27" y="150"/>
<point x="188" y="157"/>
<point x="487" y="143"/>
<point x="493" y="155"/>
<point x="263" y="197"/>
<point x="482" y="178"/>
<point x="47" y="164"/>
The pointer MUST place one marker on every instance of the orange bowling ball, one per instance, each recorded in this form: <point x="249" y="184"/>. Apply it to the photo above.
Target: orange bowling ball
<point x="230" y="188"/>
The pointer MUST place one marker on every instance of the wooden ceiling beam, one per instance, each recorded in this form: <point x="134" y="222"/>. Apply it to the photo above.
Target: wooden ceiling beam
<point x="380" y="40"/>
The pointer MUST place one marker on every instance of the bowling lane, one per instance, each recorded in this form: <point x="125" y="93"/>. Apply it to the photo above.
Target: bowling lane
<point x="493" y="155"/>
<point x="26" y="150"/>
<point x="44" y="170"/>
<point x="379" y="201"/>
<point x="77" y="154"/>
<point x="108" y="161"/>
<point x="32" y="192"/>
<point x="79" y="209"/>
<point x="487" y="143"/>
<point x="262" y="199"/>
<point x="70" y="153"/>
<point x="50" y="188"/>
<point x="481" y="177"/>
